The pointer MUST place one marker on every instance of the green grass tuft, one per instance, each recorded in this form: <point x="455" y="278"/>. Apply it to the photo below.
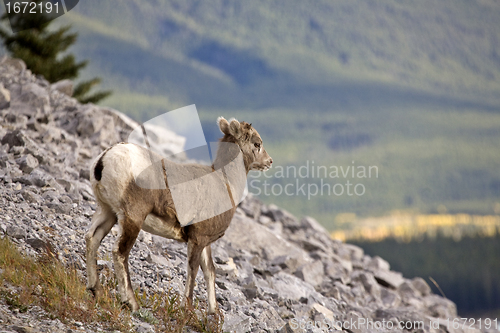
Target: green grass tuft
<point x="60" y="291"/>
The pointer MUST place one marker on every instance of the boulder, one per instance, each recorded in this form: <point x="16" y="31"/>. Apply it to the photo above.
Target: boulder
<point x="389" y="278"/>
<point x="290" y="287"/>
<point x="406" y="290"/>
<point x="376" y="263"/>
<point x="27" y="163"/>
<point x="350" y="252"/>
<point x="246" y="234"/>
<point x="14" y="138"/>
<point x="251" y="206"/>
<point x="30" y="196"/>
<point x="64" y="87"/>
<point x="280" y="215"/>
<point x="310" y="223"/>
<point x="270" y="318"/>
<point x="159" y="260"/>
<point x="312" y="273"/>
<point x="15" y="231"/>
<point x="15" y="63"/>
<point x="421" y="286"/>
<point x="89" y="123"/>
<point x="4" y="97"/>
<point x="237" y="322"/>
<point x="370" y="284"/>
<point x="36" y="97"/>
<point x="389" y="298"/>
<point x="440" y="307"/>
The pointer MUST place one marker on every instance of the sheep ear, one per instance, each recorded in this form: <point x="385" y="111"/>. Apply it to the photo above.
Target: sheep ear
<point x="223" y="125"/>
<point x="235" y="128"/>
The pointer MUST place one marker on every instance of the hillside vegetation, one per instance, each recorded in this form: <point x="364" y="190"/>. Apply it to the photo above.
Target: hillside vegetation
<point x="406" y="228"/>
<point x="410" y="87"/>
<point x="467" y="277"/>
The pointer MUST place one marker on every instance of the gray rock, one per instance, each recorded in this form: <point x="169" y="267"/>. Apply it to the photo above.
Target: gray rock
<point x="39" y="178"/>
<point x="370" y="284"/>
<point x="287" y="262"/>
<point x="27" y="163"/>
<point x="51" y="196"/>
<point x="86" y="191"/>
<point x="290" y="287"/>
<point x="85" y="173"/>
<point x="66" y="184"/>
<point x="351" y="252"/>
<point x="88" y="123"/>
<point x="15" y="231"/>
<point x="4" y="97"/>
<point x="312" y="273"/>
<point x="50" y="134"/>
<point x="125" y="123"/>
<point x="270" y="318"/>
<point x="35" y="96"/>
<point x="312" y="244"/>
<point x="63" y="86"/>
<point x="310" y="223"/>
<point x="251" y="206"/>
<point x="335" y="271"/>
<point x="106" y="133"/>
<point x="30" y="196"/>
<point x="237" y="322"/>
<point x="15" y="63"/>
<point x="294" y="326"/>
<point x="246" y="234"/>
<point x="389" y="298"/>
<point x="421" y="286"/>
<point x="219" y="254"/>
<point x="159" y="260"/>
<point x="440" y="307"/>
<point x="144" y="328"/>
<point x="406" y="290"/>
<point x="389" y="278"/>
<point x="60" y="207"/>
<point x="346" y="264"/>
<point x="376" y="263"/>
<point x="39" y="244"/>
<point x="14" y="138"/>
<point x="278" y="214"/>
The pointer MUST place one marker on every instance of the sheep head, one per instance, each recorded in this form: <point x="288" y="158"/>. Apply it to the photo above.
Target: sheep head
<point x="249" y="141"/>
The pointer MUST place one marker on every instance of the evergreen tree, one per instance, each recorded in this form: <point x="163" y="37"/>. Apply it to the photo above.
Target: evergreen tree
<point x="42" y="50"/>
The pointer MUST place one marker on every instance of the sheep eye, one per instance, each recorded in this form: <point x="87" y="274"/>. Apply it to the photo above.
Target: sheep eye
<point x="257" y="145"/>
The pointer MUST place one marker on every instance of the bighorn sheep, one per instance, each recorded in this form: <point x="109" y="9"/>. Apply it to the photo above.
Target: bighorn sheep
<point x="121" y="200"/>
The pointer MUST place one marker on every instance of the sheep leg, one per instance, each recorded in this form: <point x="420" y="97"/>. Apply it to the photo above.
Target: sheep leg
<point x="121" y="251"/>
<point x="102" y="222"/>
<point x="194" y="257"/>
<point x="208" y="268"/>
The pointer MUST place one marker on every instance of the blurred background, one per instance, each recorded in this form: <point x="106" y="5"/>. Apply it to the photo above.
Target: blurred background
<point x="411" y="88"/>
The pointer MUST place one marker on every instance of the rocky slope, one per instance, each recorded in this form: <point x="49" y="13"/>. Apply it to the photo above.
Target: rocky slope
<point x="275" y="272"/>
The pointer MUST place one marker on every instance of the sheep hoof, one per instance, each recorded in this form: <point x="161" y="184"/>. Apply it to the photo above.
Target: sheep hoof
<point x="132" y="306"/>
<point x="95" y="291"/>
